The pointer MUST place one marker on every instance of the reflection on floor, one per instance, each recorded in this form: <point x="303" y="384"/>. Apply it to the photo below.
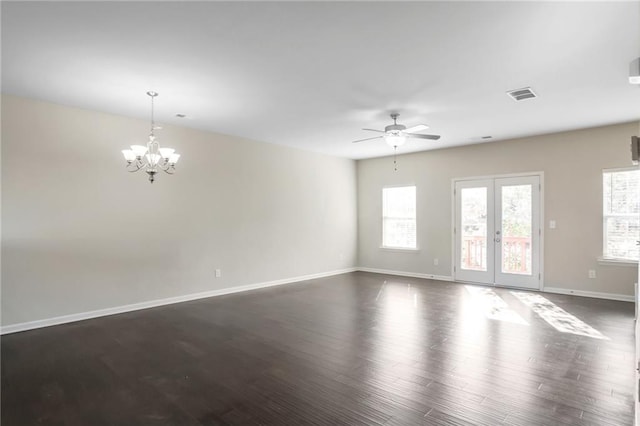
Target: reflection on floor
<point x="493" y="306"/>
<point x="557" y="317"/>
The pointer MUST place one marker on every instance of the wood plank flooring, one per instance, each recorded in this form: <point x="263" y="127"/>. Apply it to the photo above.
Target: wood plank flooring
<point x="353" y="349"/>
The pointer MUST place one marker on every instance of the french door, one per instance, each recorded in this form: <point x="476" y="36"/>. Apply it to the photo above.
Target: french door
<point x="497" y="231"/>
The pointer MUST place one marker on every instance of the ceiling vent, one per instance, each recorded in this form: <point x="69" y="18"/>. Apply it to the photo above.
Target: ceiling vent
<point x="522" y="94"/>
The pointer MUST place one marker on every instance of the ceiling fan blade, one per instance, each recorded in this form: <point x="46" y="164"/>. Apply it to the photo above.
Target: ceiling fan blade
<point x="367" y="139"/>
<point x="374" y="130"/>
<point x="418" y="128"/>
<point x="431" y="137"/>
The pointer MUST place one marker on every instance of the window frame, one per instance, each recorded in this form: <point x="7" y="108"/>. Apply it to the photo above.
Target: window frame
<point x="415" y="219"/>
<point x="605" y="259"/>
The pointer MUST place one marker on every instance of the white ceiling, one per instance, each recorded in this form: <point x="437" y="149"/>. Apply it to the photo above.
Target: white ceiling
<point x="312" y="75"/>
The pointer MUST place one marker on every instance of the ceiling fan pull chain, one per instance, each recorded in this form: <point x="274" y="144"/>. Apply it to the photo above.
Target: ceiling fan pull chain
<point x="395" y="164"/>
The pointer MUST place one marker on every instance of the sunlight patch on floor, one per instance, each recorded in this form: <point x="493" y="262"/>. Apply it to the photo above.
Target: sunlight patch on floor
<point x="557" y="317"/>
<point x="493" y="306"/>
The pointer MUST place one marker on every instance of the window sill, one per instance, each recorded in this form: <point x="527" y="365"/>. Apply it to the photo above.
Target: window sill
<point x="617" y="262"/>
<point x="400" y="250"/>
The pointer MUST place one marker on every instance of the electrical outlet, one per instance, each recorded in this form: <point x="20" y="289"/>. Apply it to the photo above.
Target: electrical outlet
<point x="592" y="273"/>
<point x="218" y="273"/>
<point x="436" y="261"/>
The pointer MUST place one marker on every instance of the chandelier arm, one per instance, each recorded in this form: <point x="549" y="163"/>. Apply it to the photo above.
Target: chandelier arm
<point x="167" y="167"/>
<point x="138" y="167"/>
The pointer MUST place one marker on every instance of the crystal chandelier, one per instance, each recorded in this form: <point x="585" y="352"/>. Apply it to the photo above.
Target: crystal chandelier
<point x="151" y="157"/>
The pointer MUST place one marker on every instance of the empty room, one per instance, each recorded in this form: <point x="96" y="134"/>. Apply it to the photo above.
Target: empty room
<point x="319" y="213"/>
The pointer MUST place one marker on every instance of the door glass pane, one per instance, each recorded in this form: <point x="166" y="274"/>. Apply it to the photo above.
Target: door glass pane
<point x="516" y="229"/>
<point x="473" y="232"/>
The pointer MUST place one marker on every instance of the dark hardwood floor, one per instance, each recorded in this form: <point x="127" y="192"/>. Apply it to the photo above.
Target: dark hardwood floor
<point x="354" y="349"/>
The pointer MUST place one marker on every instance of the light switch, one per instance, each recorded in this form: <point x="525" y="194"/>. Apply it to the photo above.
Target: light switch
<point x="552" y="224"/>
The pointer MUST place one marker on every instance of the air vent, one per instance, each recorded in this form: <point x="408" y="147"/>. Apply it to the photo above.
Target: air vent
<point x="522" y="94"/>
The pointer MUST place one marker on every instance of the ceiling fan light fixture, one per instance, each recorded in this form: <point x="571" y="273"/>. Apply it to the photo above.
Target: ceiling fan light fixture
<point x="395" y="140"/>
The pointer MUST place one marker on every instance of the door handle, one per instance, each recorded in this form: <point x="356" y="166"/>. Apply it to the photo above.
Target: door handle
<point x="497" y="240"/>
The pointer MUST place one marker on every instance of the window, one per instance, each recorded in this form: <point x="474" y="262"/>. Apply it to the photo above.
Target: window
<point x="621" y="213"/>
<point x="399" y="217"/>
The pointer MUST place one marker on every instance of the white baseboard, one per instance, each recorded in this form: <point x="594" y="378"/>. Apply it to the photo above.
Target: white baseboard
<point x="30" y="325"/>
<point x="594" y="294"/>
<point x="407" y="274"/>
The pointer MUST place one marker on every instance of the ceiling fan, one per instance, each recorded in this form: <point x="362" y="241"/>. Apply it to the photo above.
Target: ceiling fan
<point x="396" y="134"/>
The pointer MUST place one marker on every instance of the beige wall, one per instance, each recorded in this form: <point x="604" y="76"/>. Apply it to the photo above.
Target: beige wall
<point x="572" y="163"/>
<point x="79" y="233"/>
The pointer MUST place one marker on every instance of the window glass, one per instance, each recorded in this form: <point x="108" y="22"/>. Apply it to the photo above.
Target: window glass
<point x="621" y="214"/>
<point x="399" y="217"/>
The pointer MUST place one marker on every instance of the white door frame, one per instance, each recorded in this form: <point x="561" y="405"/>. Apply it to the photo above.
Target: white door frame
<point x="540" y="175"/>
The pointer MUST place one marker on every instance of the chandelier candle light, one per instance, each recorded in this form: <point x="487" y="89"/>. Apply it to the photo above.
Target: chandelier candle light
<point x="151" y="157"/>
